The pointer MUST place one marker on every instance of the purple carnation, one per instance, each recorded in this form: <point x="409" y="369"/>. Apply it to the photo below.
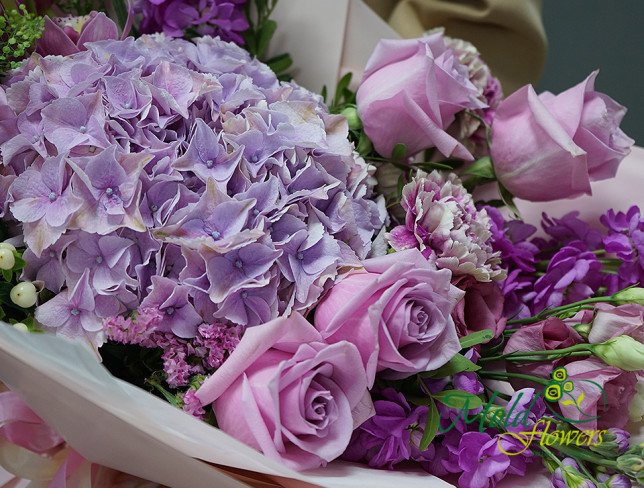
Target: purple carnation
<point x="185" y="176"/>
<point x="443" y="222"/>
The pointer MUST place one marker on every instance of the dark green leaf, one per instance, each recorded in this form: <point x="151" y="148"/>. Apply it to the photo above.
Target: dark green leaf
<point x="431" y="426"/>
<point x="324" y="93"/>
<point x="458" y="399"/>
<point x="121" y="10"/>
<point x="265" y="36"/>
<point x="5" y="290"/>
<point x="478" y="337"/>
<point x="2" y="314"/>
<point x="399" y="152"/>
<point x="457" y="364"/>
<point x="280" y="63"/>
<point x="482" y="168"/>
<point x="7" y="274"/>
<point x="250" y="42"/>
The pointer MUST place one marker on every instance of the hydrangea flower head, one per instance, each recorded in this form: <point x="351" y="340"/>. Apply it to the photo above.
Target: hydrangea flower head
<point x="185" y="178"/>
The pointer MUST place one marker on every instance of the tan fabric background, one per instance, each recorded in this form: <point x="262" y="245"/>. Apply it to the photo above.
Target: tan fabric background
<point x="508" y="33"/>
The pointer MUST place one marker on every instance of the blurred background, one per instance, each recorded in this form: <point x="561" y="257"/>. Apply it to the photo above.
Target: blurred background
<point x="584" y="35"/>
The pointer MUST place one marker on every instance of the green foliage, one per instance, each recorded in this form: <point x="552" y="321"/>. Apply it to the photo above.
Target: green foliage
<point x="19" y="31"/>
<point x="260" y="33"/>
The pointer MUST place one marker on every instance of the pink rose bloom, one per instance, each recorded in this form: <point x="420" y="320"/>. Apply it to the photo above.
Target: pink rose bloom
<point x="64" y="36"/>
<point x="481" y="308"/>
<point x="397" y="311"/>
<point x="411" y="92"/>
<point x="613" y="321"/>
<point x="286" y="393"/>
<point x="549" y="147"/>
<point x="550" y="334"/>
<point x="607" y="391"/>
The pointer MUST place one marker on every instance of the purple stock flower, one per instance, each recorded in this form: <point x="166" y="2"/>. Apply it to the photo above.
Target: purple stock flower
<point x="569" y="475"/>
<point x="615" y="480"/>
<point x="224" y="18"/>
<point x="570" y="228"/>
<point x="625" y="240"/>
<point x="180" y="316"/>
<point x="71" y="312"/>
<point x="386" y="438"/>
<point x="573" y="274"/>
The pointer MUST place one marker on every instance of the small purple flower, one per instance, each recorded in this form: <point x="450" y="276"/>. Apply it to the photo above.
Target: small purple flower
<point x="71" y="312"/>
<point x="386" y="438"/>
<point x="573" y="274"/>
<point x="569" y="475"/>
<point x="192" y="405"/>
<point x="180" y="316"/>
<point x="251" y="306"/>
<point x="571" y="228"/>
<point x="480" y="459"/>
<point x="468" y="382"/>
<point x="614" y="481"/>
<point x="625" y="240"/>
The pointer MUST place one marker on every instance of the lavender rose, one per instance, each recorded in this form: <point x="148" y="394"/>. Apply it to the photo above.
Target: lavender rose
<point x="397" y="311"/>
<point x="411" y="92"/>
<point x="288" y="394"/>
<point x="548" y="147"/>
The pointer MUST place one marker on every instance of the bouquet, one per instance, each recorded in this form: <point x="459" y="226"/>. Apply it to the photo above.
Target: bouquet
<point x="318" y="277"/>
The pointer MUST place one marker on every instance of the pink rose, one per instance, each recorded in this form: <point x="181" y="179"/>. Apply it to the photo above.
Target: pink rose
<point x="411" y="92"/>
<point x="613" y="321"/>
<point x="286" y="393"/>
<point x="397" y="312"/>
<point x="481" y="307"/>
<point x="607" y="394"/>
<point x="549" y="147"/>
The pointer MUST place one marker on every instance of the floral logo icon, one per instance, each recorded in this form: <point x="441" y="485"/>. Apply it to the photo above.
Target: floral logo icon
<point x="561" y="390"/>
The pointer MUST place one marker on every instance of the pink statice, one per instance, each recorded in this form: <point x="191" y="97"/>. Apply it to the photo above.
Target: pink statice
<point x="215" y="342"/>
<point x="444" y="223"/>
<point x="192" y="404"/>
<point x="133" y="329"/>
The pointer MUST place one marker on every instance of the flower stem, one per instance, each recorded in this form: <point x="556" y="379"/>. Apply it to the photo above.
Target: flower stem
<point x="541" y="355"/>
<point x="557" y="310"/>
<point x="494" y="375"/>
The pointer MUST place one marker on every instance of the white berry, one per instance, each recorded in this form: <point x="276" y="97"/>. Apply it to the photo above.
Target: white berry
<point x="6" y="245"/>
<point x="7" y="259"/>
<point x="21" y="326"/>
<point x="24" y="294"/>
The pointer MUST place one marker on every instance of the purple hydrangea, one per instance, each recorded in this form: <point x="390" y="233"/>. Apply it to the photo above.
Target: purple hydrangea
<point x="443" y="222"/>
<point x="175" y="18"/>
<point x="184" y="177"/>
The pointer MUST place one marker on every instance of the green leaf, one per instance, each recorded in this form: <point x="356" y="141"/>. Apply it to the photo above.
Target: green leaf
<point x="324" y="93"/>
<point x="7" y="274"/>
<point x="20" y="263"/>
<point x="280" y="63"/>
<point x="265" y="36"/>
<point x="508" y="199"/>
<point x="482" y="168"/>
<point x="2" y="314"/>
<point x="121" y="12"/>
<point x="457" y="364"/>
<point x="399" y="152"/>
<point x="5" y="291"/>
<point x="343" y="85"/>
<point x="458" y="399"/>
<point x="478" y="337"/>
<point x="431" y="426"/>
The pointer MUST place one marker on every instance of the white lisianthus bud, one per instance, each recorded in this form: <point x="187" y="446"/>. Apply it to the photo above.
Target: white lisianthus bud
<point x="21" y="326"/>
<point x="6" y="245"/>
<point x="24" y="294"/>
<point x="623" y="352"/>
<point x="7" y="259"/>
<point x="636" y="408"/>
<point x="629" y="295"/>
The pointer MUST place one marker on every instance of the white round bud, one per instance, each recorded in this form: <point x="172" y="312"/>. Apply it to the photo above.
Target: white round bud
<point x="21" y="326"/>
<point x="6" y="245"/>
<point x="24" y="294"/>
<point x="7" y="259"/>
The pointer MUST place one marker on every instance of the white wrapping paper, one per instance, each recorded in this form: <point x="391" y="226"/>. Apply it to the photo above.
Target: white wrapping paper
<point x="120" y="426"/>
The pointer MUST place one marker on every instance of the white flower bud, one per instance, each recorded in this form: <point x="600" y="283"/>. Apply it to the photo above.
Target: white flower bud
<point x="7" y="259"/>
<point x="629" y="295"/>
<point x="21" y="326"/>
<point x="24" y="294"/>
<point x="6" y="245"/>
<point x="623" y="352"/>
